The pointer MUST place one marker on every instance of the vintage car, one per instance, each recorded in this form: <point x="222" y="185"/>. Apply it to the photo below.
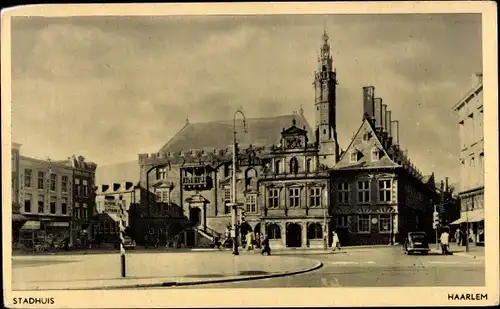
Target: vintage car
<point x="129" y="243"/>
<point x="416" y="242"/>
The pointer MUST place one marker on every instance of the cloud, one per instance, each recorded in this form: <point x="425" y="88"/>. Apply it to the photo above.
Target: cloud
<point x="114" y="87"/>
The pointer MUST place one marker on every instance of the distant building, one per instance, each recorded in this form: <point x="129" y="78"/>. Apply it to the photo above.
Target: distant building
<point x="18" y="219"/>
<point x="46" y="200"/>
<point x="83" y="180"/>
<point x="469" y="110"/>
<point x="295" y="186"/>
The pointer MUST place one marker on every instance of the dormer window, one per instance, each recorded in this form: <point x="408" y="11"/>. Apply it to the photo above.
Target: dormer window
<point x="354" y="156"/>
<point x="366" y="137"/>
<point x="375" y="154"/>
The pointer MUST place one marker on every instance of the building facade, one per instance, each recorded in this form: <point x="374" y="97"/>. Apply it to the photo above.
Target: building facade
<point x="293" y="184"/>
<point x="469" y="111"/>
<point x="46" y="200"/>
<point x="83" y="180"/>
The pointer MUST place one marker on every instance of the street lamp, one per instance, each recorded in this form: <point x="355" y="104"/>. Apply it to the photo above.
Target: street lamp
<point x="234" y="205"/>
<point x="325" y="230"/>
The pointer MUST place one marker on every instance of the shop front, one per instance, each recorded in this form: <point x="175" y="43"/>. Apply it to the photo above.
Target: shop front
<point x="473" y="222"/>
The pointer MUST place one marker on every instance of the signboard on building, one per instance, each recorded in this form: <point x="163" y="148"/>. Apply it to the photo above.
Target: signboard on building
<point x="112" y="206"/>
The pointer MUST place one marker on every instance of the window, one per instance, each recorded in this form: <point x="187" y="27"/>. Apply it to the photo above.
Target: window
<point x="41" y="204"/>
<point x="472" y="133"/>
<point x="384" y="187"/>
<point x="354" y="156"/>
<point x="294" y="197"/>
<point x="342" y="221"/>
<point x="85" y="189"/>
<point x="375" y="154"/>
<point x="77" y="211"/>
<point x="274" y="231"/>
<point x="366" y="136"/>
<point x="251" y="201"/>
<point x="343" y="192"/>
<point x="162" y="195"/>
<point x="364" y="223"/>
<point x="385" y="223"/>
<point x="161" y="173"/>
<point x="84" y="211"/>
<point x="308" y="165"/>
<point x="277" y="167"/>
<point x="27" y="203"/>
<point x="315" y="231"/>
<point x="227" y="200"/>
<point x="27" y="178"/>
<point x="77" y="187"/>
<point x="64" y="184"/>
<point x="480" y="125"/>
<point x="53" y="180"/>
<point x="481" y="166"/>
<point x="363" y="191"/>
<point x="41" y="176"/>
<point x="274" y="198"/>
<point x="462" y="133"/>
<point x="315" y="197"/>
<point x="64" y="206"/>
<point x="53" y="205"/>
<point x="294" y="166"/>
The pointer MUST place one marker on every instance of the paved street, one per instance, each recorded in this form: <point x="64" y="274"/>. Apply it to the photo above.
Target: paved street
<point x="353" y="267"/>
<point x="381" y="267"/>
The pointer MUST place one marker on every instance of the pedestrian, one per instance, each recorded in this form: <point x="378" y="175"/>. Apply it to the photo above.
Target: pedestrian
<point x="265" y="246"/>
<point x="458" y="236"/>
<point x="335" y="241"/>
<point x="472" y="236"/>
<point x="445" y="241"/>
<point x="249" y="238"/>
<point x="258" y="240"/>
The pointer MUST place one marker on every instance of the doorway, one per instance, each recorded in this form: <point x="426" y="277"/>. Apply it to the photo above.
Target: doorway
<point x="294" y="235"/>
<point x="195" y="215"/>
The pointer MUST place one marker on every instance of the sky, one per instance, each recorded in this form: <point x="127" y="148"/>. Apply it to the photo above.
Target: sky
<point x="109" y="88"/>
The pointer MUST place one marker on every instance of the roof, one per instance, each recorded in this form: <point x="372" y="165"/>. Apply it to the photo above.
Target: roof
<point x="365" y="148"/>
<point x="219" y="134"/>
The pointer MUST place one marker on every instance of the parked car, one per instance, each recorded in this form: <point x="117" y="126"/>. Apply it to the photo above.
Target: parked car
<point x="129" y="242"/>
<point x="416" y="242"/>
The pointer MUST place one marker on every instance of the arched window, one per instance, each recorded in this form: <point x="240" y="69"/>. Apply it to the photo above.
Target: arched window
<point x="294" y="166"/>
<point x="274" y="231"/>
<point x="308" y="165"/>
<point x="315" y="231"/>
<point x="277" y="166"/>
<point x="250" y="179"/>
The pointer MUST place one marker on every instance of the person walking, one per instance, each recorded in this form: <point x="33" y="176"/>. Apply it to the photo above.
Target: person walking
<point x="335" y="241"/>
<point x="445" y="242"/>
<point x="458" y="236"/>
<point x="265" y="246"/>
<point x="249" y="239"/>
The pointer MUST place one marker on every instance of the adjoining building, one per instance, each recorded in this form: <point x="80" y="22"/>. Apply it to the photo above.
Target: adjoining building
<point x="469" y="111"/>
<point x="45" y="199"/>
<point x="296" y="186"/>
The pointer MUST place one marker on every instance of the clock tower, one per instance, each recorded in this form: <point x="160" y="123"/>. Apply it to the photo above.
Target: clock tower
<point x="325" y="83"/>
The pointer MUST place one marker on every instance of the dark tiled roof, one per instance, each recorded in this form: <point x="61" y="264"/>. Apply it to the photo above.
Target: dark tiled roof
<point x="219" y="134"/>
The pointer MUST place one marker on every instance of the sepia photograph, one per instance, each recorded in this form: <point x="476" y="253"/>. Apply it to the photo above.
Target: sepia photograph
<point x="167" y="151"/>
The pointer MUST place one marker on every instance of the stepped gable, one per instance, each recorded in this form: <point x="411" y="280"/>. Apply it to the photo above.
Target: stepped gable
<point x="219" y="134"/>
<point x="364" y="142"/>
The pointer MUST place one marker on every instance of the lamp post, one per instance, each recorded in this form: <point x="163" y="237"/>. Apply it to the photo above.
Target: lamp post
<point x="325" y="229"/>
<point x="234" y="205"/>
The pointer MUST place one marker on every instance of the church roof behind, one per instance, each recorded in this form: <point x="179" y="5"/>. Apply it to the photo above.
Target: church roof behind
<point x="219" y="134"/>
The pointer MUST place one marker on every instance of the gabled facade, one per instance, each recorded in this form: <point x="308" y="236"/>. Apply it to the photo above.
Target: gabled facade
<point x="379" y="195"/>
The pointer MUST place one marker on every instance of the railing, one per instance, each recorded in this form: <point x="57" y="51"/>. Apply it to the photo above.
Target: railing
<point x="194" y="180"/>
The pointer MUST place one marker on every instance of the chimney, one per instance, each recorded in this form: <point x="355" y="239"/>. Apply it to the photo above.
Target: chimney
<point x="105" y="187"/>
<point x="116" y="186"/>
<point x="395" y="132"/>
<point x="368" y="103"/>
<point x="388" y="122"/>
<point x="447" y="187"/>
<point x="378" y="113"/>
<point x="384" y="117"/>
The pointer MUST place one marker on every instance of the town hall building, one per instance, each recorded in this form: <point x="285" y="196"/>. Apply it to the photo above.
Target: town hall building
<point x="293" y="182"/>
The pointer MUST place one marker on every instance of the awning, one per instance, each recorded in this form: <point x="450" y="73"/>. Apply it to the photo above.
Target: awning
<point x="470" y="216"/>
<point x="31" y="225"/>
<point x="18" y="217"/>
<point x="64" y="224"/>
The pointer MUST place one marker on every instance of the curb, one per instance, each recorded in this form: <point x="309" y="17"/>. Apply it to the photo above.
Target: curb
<point x="187" y="283"/>
<point x="471" y="256"/>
